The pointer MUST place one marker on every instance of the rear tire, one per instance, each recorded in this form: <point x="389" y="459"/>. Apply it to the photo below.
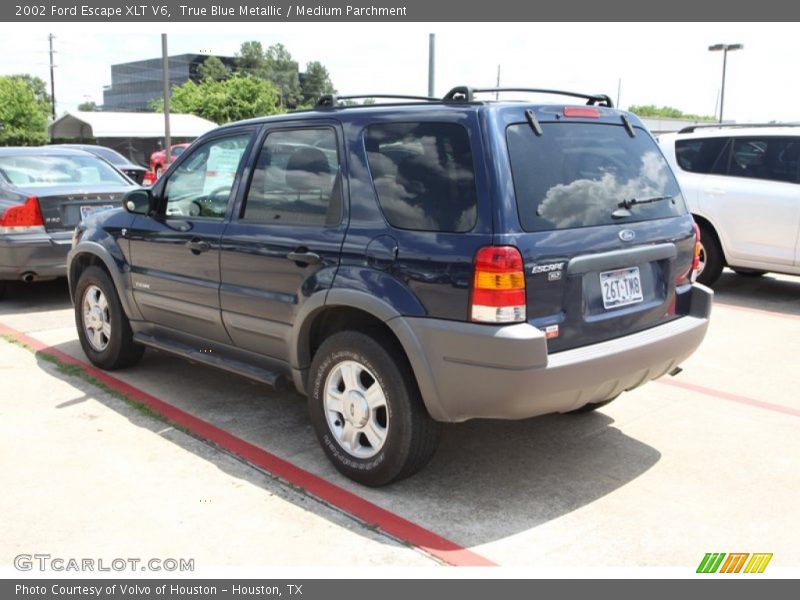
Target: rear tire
<point x="367" y="411"/>
<point x="103" y="328"/>
<point x="711" y="259"/>
<point x="749" y="272"/>
<point x="2" y="289"/>
<point x="592" y="406"/>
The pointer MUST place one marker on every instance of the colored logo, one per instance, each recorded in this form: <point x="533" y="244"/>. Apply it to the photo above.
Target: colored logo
<point x="741" y="562"/>
<point x="627" y="235"/>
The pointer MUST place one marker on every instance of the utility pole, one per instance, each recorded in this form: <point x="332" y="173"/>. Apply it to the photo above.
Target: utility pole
<point x="431" y="63"/>
<point x="165" y="84"/>
<point x="52" y="81"/>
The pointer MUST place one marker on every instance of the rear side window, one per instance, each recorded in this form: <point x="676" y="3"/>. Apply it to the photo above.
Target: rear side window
<point x="423" y="175"/>
<point x="702" y="155"/>
<point x="578" y="174"/>
<point x="772" y="158"/>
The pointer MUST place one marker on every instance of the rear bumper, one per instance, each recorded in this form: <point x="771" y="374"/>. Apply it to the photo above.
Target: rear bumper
<point x="468" y="371"/>
<point x="43" y="254"/>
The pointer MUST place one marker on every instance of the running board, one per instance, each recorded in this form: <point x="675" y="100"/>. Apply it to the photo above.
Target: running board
<point x="271" y="378"/>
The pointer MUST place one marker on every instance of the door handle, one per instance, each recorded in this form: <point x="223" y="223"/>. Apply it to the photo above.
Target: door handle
<point x="304" y="257"/>
<point x="198" y="246"/>
<point x="714" y="191"/>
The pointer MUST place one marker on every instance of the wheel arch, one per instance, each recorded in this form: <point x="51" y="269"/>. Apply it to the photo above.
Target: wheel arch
<point x="93" y="254"/>
<point x="705" y="223"/>
<point x="350" y="309"/>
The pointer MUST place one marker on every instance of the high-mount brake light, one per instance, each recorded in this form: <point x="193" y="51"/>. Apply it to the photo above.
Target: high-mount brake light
<point x="498" y="286"/>
<point x="585" y="112"/>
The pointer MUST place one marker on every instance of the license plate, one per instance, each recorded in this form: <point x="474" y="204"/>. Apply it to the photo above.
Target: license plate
<point x="621" y="287"/>
<point x="93" y="208"/>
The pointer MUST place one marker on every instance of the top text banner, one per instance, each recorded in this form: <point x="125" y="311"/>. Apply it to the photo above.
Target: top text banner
<point x="395" y="11"/>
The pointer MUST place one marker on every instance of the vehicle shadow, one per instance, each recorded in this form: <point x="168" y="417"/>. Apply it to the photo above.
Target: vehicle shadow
<point x="39" y="296"/>
<point x="489" y="479"/>
<point x="775" y="293"/>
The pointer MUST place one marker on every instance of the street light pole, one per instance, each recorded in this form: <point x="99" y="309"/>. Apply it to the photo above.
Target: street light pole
<point x="725" y="49"/>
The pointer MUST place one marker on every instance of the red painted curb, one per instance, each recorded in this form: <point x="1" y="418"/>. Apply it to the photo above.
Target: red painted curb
<point x="731" y="397"/>
<point x="366" y="511"/>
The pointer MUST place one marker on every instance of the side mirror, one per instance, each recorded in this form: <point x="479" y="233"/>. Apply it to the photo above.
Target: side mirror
<point x="138" y="202"/>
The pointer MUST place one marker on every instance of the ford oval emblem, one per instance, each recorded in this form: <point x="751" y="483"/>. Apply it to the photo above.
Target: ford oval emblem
<point x="627" y="235"/>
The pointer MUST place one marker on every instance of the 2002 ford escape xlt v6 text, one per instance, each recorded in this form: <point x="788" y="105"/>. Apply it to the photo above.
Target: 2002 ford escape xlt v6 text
<point x="406" y="264"/>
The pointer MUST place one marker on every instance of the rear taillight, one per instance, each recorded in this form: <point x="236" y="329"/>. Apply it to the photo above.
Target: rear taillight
<point x="149" y="178"/>
<point x="22" y="218"/>
<point x="690" y="274"/>
<point x="697" y="248"/>
<point x="498" y="286"/>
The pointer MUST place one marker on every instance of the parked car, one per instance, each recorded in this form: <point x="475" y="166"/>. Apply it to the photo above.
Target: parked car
<point x="130" y="169"/>
<point x="741" y="183"/>
<point x="44" y="193"/>
<point x="158" y="160"/>
<point x="405" y="265"/>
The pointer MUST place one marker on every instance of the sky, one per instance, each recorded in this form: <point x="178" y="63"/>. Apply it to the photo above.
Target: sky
<point x="639" y="63"/>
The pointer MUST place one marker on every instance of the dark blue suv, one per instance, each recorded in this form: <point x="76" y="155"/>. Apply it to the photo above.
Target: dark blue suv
<point x="405" y="264"/>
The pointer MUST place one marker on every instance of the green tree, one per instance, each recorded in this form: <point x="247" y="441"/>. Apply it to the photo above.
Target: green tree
<point x="651" y="110"/>
<point x="240" y="97"/>
<point x="252" y="60"/>
<point x="24" y="111"/>
<point x="213" y="68"/>
<point x="315" y="82"/>
<point x="88" y="106"/>
<point x="285" y="75"/>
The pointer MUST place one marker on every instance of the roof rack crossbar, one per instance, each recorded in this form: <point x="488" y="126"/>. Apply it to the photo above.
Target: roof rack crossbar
<point x="332" y="100"/>
<point x="467" y="94"/>
<point x="692" y="128"/>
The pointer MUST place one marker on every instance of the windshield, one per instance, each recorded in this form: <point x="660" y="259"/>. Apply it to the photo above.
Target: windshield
<point x="48" y="170"/>
<point x="580" y="174"/>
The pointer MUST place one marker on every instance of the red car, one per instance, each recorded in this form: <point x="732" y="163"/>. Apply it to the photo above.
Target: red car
<point x="158" y="160"/>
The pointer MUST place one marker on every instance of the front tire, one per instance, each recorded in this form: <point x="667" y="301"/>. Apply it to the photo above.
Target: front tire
<point x="711" y="259"/>
<point x="103" y="328"/>
<point x="367" y="411"/>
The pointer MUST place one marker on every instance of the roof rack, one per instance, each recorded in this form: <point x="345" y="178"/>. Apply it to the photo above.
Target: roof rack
<point x="692" y="128"/>
<point x="332" y="100"/>
<point x="467" y="94"/>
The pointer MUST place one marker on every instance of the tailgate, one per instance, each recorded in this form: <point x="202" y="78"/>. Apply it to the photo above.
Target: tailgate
<point x="603" y="229"/>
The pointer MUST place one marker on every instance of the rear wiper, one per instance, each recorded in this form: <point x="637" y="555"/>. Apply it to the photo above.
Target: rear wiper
<point x="624" y="207"/>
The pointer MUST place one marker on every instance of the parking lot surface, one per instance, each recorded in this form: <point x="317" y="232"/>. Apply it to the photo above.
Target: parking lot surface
<point x="707" y="461"/>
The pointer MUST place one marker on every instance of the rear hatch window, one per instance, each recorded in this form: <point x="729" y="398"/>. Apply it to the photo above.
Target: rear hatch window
<point x="588" y="174"/>
<point x="607" y="235"/>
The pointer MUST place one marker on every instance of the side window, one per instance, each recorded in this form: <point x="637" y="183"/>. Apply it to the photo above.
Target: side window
<point x="771" y="158"/>
<point x="296" y="180"/>
<point x="423" y="175"/>
<point x="702" y="155"/>
<point x="201" y="185"/>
